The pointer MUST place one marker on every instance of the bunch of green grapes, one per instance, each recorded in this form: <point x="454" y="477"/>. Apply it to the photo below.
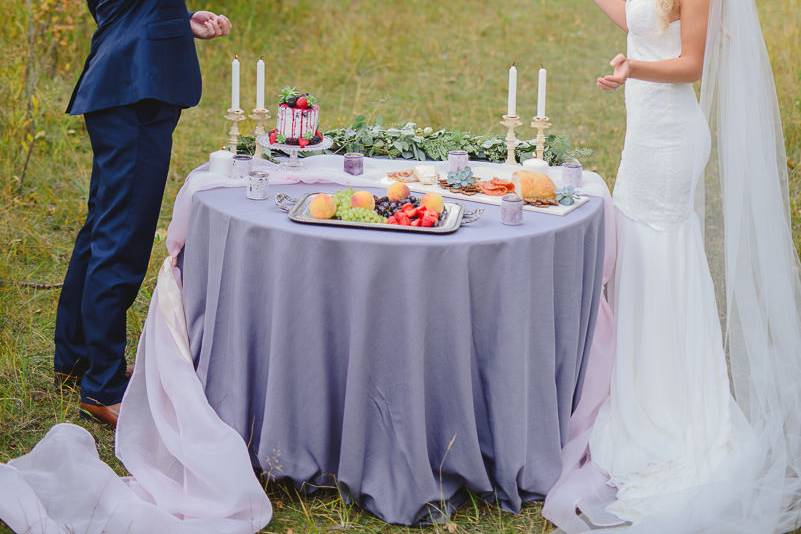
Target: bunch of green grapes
<point x="342" y="198"/>
<point x="360" y="215"/>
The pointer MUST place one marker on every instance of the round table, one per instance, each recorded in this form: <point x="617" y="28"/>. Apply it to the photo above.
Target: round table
<point x="405" y="368"/>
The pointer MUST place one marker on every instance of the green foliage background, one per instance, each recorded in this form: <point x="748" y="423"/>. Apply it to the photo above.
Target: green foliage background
<point x="438" y="64"/>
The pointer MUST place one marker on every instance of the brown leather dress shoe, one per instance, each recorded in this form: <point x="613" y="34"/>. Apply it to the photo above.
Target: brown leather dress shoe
<point x="104" y="414"/>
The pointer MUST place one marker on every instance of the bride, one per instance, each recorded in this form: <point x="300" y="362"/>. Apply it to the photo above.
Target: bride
<point x="669" y="419"/>
<point x="700" y="431"/>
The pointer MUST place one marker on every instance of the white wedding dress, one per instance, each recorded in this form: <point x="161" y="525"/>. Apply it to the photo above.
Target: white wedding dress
<point x="670" y="419"/>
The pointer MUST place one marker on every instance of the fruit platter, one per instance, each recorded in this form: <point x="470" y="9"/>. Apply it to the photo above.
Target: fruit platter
<point x="398" y="210"/>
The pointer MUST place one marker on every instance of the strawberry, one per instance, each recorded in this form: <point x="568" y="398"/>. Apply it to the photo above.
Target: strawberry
<point x="416" y="222"/>
<point x="273" y="137"/>
<point x="409" y="210"/>
<point x="402" y="219"/>
<point x="430" y="219"/>
<point x="303" y="142"/>
<point x="302" y="103"/>
<point x="392" y="220"/>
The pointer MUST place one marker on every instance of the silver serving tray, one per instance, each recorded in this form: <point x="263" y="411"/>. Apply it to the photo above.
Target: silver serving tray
<point x="456" y="216"/>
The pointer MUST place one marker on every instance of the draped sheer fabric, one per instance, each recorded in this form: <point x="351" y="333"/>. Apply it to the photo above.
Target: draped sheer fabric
<point x="190" y="472"/>
<point x="757" y="272"/>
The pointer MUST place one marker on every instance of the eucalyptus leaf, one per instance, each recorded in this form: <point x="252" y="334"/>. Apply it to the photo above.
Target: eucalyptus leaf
<point x="411" y="142"/>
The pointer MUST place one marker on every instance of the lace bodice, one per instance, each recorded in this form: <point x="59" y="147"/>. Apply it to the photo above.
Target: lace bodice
<point x="650" y="38"/>
<point x="667" y="137"/>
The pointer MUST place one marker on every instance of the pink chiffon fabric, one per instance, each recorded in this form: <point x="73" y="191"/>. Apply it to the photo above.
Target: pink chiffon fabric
<point x="190" y="472"/>
<point x="581" y="484"/>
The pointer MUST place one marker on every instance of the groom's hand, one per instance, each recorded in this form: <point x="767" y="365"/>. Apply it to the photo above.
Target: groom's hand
<point x="207" y="25"/>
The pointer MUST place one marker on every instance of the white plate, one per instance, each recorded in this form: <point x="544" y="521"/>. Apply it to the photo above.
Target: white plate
<point x="486" y="172"/>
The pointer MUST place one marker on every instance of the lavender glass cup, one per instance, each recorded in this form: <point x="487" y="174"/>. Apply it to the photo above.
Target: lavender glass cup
<point x="572" y="173"/>
<point x="457" y="160"/>
<point x="354" y="163"/>
<point x="512" y="210"/>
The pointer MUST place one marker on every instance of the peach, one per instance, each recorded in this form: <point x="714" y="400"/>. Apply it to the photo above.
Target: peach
<point x="433" y="201"/>
<point x="362" y="199"/>
<point x="322" y="206"/>
<point x="398" y="191"/>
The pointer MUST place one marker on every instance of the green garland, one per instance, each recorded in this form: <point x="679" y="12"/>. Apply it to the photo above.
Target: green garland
<point x="413" y="143"/>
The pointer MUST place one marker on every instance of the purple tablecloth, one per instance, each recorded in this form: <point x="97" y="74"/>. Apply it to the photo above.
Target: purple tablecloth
<point x="404" y="367"/>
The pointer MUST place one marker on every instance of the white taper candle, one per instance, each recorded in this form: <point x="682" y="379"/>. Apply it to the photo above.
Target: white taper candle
<point x="541" y="92"/>
<point x="260" y="83"/>
<point x="511" y="108"/>
<point x="235" y="83"/>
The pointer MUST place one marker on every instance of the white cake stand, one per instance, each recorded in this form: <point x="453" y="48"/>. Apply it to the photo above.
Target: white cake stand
<point x="293" y="150"/>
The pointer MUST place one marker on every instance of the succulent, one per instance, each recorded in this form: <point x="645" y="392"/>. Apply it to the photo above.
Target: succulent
<point x="566" y="196"/>
<point x="461" y="178"/>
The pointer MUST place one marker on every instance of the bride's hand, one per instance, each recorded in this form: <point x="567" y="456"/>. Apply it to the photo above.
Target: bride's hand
<point x="621" y="73"/>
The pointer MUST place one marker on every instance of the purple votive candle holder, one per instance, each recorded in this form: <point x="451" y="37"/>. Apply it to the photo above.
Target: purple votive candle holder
<point x="354" y="163"/>
<point x="512" y="210"/>
<point x="457" y="160"/>
<point x="572" y="173"/>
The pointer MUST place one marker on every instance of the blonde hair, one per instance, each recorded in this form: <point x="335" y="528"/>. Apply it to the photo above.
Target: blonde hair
<point x="666" y="7"/>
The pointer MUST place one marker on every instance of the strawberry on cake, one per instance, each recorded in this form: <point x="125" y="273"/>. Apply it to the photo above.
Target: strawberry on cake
<point x="298" y="119"/>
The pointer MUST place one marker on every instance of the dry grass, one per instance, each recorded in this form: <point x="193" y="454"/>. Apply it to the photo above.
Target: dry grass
<point x="435" y="63"/>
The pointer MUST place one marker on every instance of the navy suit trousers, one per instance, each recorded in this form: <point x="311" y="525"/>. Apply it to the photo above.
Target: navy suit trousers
<point x="131" y="146"/>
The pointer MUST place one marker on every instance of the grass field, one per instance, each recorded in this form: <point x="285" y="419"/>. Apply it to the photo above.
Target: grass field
<point x="441" y="64"/>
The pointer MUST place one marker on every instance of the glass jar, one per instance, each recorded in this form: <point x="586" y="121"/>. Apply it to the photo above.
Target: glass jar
<point x="242" y="166"/>
<point x="457" y="160"/>
<point x="354" y="163"/>
<point x="512" y="210"/>
<point x="258" y="181"/>
<point x="572" y="173"/>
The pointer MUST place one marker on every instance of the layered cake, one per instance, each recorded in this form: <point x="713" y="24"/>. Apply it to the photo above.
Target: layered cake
<point x="298" y="119"/>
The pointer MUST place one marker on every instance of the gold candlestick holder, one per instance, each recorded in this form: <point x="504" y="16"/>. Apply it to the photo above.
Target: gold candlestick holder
<point x="235" y="116"/>
<point x="260" y="115"/>
<point x="510" y="123"/>
<point x="541" y="124"/>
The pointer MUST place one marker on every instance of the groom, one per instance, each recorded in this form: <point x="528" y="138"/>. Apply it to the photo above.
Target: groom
<point x="142" y="70"/>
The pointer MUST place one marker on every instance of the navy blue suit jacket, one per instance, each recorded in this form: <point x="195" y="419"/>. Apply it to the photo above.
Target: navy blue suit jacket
<point x="142" y="49"/>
